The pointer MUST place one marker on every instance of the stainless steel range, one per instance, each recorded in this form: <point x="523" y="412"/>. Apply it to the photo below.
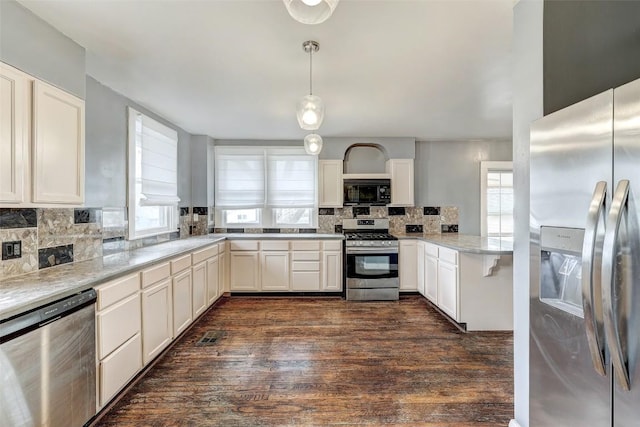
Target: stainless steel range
<point x="371" y="260"/>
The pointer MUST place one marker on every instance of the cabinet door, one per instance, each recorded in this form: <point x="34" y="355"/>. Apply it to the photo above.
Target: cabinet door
<point x="332" y="271"/>
<point x="420" y="266"/>
<point x="274" y="271"/>
<point x="157" y="319"/>
<point x="243" y="272"/>
<point x="223" y="273"/>
<point x="408" y="270"/>
<point x="431" y="278"/>
<point x="199" y="286"/>
<point x="14" y="133"/>
<point x="213" y="278"/>
<point x="58" y="146"/>
<point x="401" y="171"/>
<point x="330" y="186"/>
<point x="117" y="324"/>
<point x="182" y="309"/>
<point x="118" y="368"/>
<point x="448" y="288"/>
<point x="305" y="281"/>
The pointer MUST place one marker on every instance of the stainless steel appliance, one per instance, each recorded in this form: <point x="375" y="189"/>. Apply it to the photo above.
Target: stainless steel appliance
<point x="371" y="260"/>
<point x="367" y="192"/>
<point x="48" y="365"/>
<point x="585" y="263"/>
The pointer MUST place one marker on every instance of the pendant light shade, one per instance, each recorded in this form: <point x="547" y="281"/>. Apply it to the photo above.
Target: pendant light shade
<point x="310" y="11"/>
<point x="310" y="112"/>
<point x="310" y="108"/>
<point x="313" y="144"/>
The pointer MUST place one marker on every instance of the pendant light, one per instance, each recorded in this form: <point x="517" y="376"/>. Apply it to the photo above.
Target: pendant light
<point x="310" y="11"/>
<point x="310" y="109"/>
<point x="313" y="144"/>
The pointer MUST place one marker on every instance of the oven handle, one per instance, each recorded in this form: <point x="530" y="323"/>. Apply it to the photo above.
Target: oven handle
<point x="369" y="250"/>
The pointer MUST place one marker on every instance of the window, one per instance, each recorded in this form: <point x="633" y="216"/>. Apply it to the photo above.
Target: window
<point x="265" y="187"/>
<point x="153" y="177"/>
<point x="497" y="199"/>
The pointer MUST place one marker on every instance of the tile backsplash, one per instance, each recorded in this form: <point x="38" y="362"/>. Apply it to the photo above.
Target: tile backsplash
<point x="55" y="236"/>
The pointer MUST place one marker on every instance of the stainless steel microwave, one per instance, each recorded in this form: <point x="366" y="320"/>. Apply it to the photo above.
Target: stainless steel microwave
<point x="367" y="192"/>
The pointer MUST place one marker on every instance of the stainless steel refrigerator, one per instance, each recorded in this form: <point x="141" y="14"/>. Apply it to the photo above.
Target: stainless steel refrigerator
<point x="585" y="263"/>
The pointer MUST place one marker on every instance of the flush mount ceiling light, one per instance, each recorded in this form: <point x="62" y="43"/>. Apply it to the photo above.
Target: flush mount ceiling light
<point x="313" y="144"/>
<point x="310" y="11"/>
<point x="310" y="109"/>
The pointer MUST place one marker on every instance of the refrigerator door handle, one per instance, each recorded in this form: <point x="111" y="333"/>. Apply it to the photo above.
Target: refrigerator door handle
<point x="614" y="338"/>
<point x="591" y="285"/>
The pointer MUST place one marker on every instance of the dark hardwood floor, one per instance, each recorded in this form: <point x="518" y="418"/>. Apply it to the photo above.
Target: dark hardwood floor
<point x="325" y="362"/>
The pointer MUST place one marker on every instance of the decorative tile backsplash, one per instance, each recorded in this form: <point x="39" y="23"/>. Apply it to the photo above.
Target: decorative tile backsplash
<point x="55" y="236"/>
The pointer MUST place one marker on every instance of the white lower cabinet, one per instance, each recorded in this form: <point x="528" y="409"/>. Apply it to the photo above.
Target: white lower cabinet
<point x="407" y="270"/>
<point x="431" y="278"/>
<point x="244" y="271"/>
<point x="213" y="279"/>
<point x="118" y="368"/>
<point x="305" y="265"/>
<point x="199" y="288"/>
<point x="157" y="319"/>
<point x="182" y="309"/>
<point x="420" y="272"/>
<point x="274" y="271"/>
<point x="448" y="288"/>
<point x="223" y="268"/>
<point x="331" y="271"/>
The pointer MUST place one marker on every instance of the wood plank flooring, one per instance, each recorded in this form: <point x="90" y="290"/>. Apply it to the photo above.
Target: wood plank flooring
<point x="326" y="362"/>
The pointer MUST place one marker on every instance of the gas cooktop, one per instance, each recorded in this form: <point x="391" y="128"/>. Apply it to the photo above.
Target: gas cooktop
<point x="368" y="235"/>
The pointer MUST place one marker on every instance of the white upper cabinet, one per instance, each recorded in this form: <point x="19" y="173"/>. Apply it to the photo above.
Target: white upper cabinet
<point x="330" y="183"/>
<point x="41" y="142"/>
<point x="401" y="171"/>
<point x="14" y="133"/>
<point x="58" y="146"/>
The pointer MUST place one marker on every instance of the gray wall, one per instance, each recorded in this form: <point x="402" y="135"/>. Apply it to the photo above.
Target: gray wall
<point x="200" y="193"/>
<point x="527" y="107"/>
<point x="35" y="47"/>
<point x="106" y="148"/>
<point x="589" y="47"/>
<point x="447" y="173"/>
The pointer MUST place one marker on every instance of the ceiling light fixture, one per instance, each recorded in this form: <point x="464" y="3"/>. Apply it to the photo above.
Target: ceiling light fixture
<point x="313" y="144"/>
<point x="310" y="109"/>
<point x="310" y="11"/>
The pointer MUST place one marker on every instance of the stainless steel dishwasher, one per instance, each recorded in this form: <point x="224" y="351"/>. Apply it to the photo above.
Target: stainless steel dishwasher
<point x="48" y="364"/>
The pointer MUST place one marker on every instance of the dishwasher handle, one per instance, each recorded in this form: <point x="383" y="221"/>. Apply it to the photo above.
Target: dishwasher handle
<point x="23" y="323"/>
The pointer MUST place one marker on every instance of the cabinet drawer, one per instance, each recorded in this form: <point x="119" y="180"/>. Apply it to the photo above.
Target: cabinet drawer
<point x="112" y="292"/>
<point x="305" y="266"/>
<point x="306" y="256"/>
<point x="244" y="245"/>
<point x="448" y="255"/>
<point x="274" y="245"/>
<point x="155" y="274"/>
<point x="305" y="281"/>
<point x="332" y="245"/>
<point x="180" y="264"/>
<point x="117" y="369"/>
<point x="305" y="245"/>
<point x="199" y="256"/>
<point x="117" y="324"/>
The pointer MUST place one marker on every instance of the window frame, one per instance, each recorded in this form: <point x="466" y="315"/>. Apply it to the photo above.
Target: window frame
<point x="169" y="212"/>
<point x="485" y="168"/>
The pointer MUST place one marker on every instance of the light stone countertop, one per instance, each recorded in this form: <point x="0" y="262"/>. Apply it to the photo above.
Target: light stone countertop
<point x="29" y="291"/>
<point x="465" y="243"/>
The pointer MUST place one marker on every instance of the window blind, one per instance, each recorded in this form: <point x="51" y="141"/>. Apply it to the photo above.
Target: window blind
<point x="240" y="178"/>
<point x="157" y="146"/>
<point x="291" y="180"/>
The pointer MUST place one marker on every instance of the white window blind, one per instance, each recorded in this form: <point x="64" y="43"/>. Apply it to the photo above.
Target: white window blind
<point x="291" y="180"/>
<point x="240" y="178"/>
<point x="497" y="198"/>
<point x="158" y="148"/>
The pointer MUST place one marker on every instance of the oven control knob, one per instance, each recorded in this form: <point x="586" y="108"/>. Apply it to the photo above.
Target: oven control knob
<point x="383" y="190"/>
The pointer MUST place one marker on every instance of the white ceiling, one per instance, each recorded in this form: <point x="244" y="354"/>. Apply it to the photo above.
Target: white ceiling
<point x="234" y="69"/>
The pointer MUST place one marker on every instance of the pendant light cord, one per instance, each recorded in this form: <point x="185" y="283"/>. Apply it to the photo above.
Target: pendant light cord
<point x="310" y="71"/>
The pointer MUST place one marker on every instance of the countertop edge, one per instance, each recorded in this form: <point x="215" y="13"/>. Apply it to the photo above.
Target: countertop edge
<point x="460" y="248"/>
<point x="199" y="243"/>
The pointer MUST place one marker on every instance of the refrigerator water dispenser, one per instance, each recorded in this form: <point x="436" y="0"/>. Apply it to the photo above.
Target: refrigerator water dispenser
<point x="561" y="268"/>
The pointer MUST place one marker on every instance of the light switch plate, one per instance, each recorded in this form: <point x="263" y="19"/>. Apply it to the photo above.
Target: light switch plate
<point x="11" y="250"/>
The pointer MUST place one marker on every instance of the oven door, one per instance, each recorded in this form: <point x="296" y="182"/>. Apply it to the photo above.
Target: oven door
<point x="372" y="263"/>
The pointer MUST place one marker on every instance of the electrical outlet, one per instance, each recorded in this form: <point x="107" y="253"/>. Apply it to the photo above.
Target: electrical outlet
<point x="11" y="250"/>
<point x="195" y="217"/>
